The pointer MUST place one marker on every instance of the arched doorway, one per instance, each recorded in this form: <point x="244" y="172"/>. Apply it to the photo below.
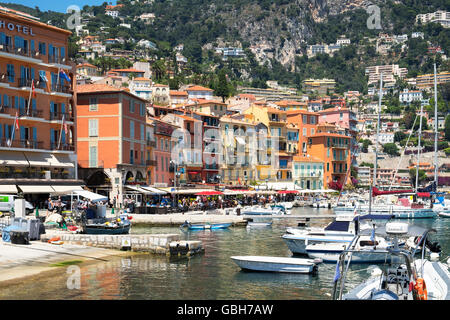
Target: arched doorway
<point x="99" y="182"/>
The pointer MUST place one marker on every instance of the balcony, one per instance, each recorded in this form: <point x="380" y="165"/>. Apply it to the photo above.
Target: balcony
<point x="55" y="59"/>
<point x="25" y="82"/>
<point x="61" y="88"/>
<point x="339" y="145"/>
<point x="26" y="144"/>
<point x="151" y="163"/>
<point x="59" y="116"/>
<point x="62" y="146"/>
<point x="9" y="110"/>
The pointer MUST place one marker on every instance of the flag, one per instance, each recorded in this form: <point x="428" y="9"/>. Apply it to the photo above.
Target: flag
<point x="63" y="75"/>
<point x="337" y="273"/>
<point x="32" y="88"/>
<point x="66" y="130"/>
<point x="16" y="122"/>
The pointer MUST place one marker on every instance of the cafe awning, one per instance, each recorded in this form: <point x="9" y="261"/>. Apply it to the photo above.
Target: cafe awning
<point x="153" y="190"/>
<point x="37" y="159"/>
<point x="146" y="190"/>
<point x="11" y="158"/>
<point x="66" y="189"/>
<point x="287" y="191"/>
<point x="37" y="189"/>
<point x="94" y="197"/>
<point x="8" y="188"/>
<point x="61" y="161"/>
<point x="209" y="193"/>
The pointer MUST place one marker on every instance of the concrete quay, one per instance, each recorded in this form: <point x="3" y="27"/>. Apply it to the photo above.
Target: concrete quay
<point x="18" y="262"/>
<point x="164" y="244"/>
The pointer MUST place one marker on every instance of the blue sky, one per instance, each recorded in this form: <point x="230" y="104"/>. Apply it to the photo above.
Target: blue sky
<point x="57" y="5"/>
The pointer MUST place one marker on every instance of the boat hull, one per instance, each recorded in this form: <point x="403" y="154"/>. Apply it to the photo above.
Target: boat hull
<point x="297" y="244"/>
<point x="209" y="226"/>
<point x="275" y="264"/>
<point x="99" y="230"/>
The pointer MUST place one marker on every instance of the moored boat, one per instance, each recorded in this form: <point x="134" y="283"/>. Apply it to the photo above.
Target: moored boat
<point x="276" y="264"/>
<point x="205" y="226"/>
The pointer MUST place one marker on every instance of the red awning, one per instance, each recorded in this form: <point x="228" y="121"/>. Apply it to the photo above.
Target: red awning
<point x="423" y="194"/>
<point x="376" y="192"/>
<point x="287" y="191"/>
<point x="193" y="172"/>
<point x="208" y="193"/>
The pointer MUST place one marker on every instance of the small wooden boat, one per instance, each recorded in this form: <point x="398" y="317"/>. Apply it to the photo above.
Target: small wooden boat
<point x="276" y="264"/>
<point x="205" y="226"/>
<point x="104" y="229"/>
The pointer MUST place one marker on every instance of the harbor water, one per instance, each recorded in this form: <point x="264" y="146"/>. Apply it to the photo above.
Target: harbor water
<point x="209" y="276"/>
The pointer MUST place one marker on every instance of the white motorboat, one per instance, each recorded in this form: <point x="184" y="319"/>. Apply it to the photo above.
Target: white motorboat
<point x="406" y="279"/>
<point x="341" y="230"/>
<point x="276" y="264"/>
<point x="261" y="211"/>
<point x="330" y="252"/>
<point x="286" y="205"/>
<point x="400" y="212"/>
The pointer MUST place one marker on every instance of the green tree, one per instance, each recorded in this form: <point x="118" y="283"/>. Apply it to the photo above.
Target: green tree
<point x="447" y="128"/>
<point x="391" y="149"/>
<point x="223" y="89"/>
<point x="412" y="175"/>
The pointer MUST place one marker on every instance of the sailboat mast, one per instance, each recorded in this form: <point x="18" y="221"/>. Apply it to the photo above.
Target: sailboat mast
<point x="380" y="97"/>
<point x="436" y="136"/>
<point x="418" y="147"/>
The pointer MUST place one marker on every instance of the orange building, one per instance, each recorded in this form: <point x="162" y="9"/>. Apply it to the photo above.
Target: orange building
<point x="37" y="147"/>
<point x="111" y="138"/>
<point x="334" y="150"/>
<point x="306" y="123"/>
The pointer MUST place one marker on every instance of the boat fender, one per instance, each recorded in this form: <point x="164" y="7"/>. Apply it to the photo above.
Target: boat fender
<point x="421" y="289"/>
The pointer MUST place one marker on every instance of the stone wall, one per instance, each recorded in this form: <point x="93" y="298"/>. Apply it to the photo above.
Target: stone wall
<point x="168" y="244"/>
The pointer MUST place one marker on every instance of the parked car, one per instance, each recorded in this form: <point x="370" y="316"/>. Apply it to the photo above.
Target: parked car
<point x="7" y="204"/>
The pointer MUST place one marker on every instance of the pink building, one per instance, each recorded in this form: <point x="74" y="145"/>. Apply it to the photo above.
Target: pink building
<point x="163" y="173"/>
<point x="341" y="117"/>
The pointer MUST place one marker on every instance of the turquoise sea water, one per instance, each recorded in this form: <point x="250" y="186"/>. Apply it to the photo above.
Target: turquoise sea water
<point x="210" y="276"/>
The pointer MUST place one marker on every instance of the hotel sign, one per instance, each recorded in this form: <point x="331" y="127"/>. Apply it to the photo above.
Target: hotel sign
<point x="18" y="27"/>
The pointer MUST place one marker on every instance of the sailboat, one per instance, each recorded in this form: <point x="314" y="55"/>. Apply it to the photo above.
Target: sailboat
<point x="414" y="210"/>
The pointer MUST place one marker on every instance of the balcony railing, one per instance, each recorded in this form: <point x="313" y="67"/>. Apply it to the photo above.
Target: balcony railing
<point x="55" y="59"/>
<point x="22" y="112"/>
<point x="24" y="82"/>
<point x="151" y="163"/>
<point x="59" y="115"/>
<point x="62" y="146"/>
<point x="60" y="88"/>
<point x="27" y="144"/>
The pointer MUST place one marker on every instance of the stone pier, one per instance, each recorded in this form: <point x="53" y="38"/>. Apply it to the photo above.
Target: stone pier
<point x="164" y="244"/>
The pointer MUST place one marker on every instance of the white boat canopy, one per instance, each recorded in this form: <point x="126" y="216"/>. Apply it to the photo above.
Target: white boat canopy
<point x="145" y="190"/>
<point x="94" y="197"/>
<point x="8" y="188"/>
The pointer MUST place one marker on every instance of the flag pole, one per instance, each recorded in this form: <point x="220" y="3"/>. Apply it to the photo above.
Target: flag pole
<point x="60" y="133"/>
<point x="29" y="97"/>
